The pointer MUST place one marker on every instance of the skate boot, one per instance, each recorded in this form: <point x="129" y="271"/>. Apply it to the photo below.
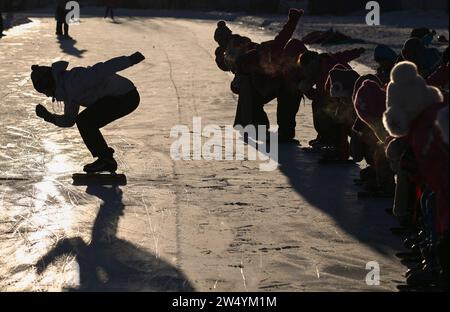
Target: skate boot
<point x="101" y="165"/>
<point x="107" y="163"/>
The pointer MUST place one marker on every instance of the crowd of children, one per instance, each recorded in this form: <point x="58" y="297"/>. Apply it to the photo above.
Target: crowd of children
<point x="395" y="121"/>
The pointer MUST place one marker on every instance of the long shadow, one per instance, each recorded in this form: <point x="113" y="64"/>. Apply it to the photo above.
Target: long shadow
<point x="331" y="189"/>
<point x="68" y="47"/>
<point x="109" y="263"/>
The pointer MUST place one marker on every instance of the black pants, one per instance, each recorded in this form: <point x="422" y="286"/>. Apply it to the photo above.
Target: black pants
<point x="100" y="114"/>
<point x="289" y="98"/>
<point x="109" y="10"/>
<point x="255" y="92"/>
<point x="60" y="24"/>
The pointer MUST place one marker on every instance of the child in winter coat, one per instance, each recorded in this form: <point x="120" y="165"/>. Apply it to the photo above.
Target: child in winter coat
<point x="260" y="74"/>
<point x="369" y="104"/>
<point x="263" y="73"/>
<point x="413" y="112"/>
<point x="106" y="95"/>
<point x="339" y="86"/>
<point x="426" y="59"/>
<point x="386" y="59"/>
<point x="315" y="68"/>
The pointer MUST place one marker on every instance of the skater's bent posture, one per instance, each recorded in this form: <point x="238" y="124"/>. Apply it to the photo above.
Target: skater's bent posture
<point x="106" y="95"/>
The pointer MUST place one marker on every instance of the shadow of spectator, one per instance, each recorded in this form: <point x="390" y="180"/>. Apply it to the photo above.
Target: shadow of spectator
<point x="109" y="263"/>
<point x="331" y="189"/>
<point x="68" y="47"/>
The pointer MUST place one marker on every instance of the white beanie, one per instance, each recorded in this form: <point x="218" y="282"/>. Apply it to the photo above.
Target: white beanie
<point x="408" y="96"/>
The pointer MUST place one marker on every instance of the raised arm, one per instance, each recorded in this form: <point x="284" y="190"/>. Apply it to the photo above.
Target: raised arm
<point x="288" y="30"/>
<point x="105" y="69"/>
<point x="348" y="55"/>
<point x="88" y="77"/>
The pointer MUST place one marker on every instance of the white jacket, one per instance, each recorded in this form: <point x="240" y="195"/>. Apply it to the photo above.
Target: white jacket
<point x="83" y="86"/>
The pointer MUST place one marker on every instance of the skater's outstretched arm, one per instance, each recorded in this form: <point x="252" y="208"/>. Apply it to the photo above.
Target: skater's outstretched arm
<point x="100" y="71"/>
<point x="70" y="246"/>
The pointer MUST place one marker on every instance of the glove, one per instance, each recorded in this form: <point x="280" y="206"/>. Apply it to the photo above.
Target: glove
<point x="136" y="58"/>
<point x="295" y="13"/>
<point x="43" y="113"/>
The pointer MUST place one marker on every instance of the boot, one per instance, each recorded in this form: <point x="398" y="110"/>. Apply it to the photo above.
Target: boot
<point x="105" y="163"/>
<point x="102" y="165"/>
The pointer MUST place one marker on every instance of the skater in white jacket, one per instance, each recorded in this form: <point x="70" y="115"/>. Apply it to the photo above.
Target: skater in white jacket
<point x="106" y="95"/>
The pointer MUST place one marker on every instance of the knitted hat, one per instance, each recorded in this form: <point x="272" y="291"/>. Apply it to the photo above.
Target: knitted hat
<point x="412" y="49"/>
<point x="222" y="35"/>
<point x="342" y="82"/>
<point x="327" y="86"/>
<point x="370" y="102"/>
<point x="361" y="80"/>
<point x="41" y="76"/>
<point x="383" y="52"/>
<point x="408" y="96"/>
<point x="420" y="32"/>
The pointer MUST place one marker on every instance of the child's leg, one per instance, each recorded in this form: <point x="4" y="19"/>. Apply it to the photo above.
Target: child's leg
<point x="250" y="108"/>
<point x="260" y="117"/>
<point x="324" y="123"/>
<point x="244" y="109"/>
<point x="66" y="29"/>
<point x="59" y="27"/>
<point x="100" y="114"/>
<point x="288" y="106"/>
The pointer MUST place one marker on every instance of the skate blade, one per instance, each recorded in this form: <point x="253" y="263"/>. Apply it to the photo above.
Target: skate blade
<point x="85" y="179"/>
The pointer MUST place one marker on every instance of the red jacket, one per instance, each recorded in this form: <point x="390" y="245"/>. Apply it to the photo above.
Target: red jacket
<point x="432" y="160"/>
